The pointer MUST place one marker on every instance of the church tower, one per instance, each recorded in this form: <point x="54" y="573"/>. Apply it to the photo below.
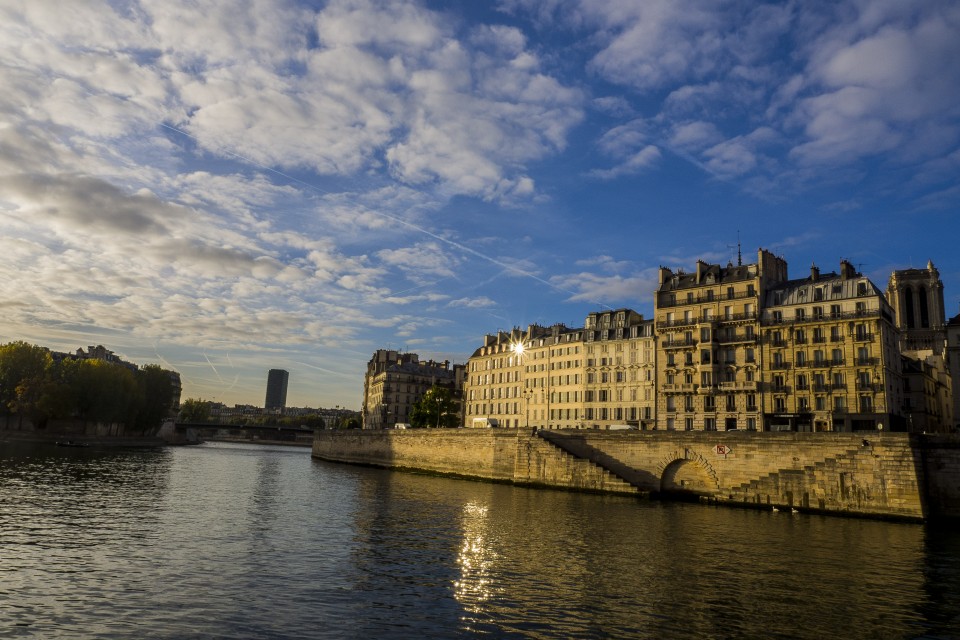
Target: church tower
<point x="916" y="296"/>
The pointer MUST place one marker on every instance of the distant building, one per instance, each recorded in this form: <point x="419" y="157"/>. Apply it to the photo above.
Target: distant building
<point x="396" y="381"/>
<point x="276" y="390"/>
<point x="916" y="296"/>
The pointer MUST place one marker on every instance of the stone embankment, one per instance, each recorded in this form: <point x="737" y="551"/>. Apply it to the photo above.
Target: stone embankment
<point x="889" y="475"/>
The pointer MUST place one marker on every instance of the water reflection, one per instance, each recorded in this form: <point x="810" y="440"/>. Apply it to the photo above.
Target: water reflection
<point x="239" y="541"/>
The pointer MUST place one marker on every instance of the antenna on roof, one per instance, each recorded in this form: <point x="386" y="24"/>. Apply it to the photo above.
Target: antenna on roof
<point x="739" y="255"/>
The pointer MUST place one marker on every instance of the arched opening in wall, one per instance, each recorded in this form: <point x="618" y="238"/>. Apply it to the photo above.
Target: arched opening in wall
<point x="686" y="478"/>
<point x="908" y="307"/>
<point x="924" y="310"/>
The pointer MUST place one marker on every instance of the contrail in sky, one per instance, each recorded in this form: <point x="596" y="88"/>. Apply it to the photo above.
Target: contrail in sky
<point x="400" y="221"/>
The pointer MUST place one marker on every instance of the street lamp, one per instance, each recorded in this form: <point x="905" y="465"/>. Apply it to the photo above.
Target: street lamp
<point x="438" y="411"/>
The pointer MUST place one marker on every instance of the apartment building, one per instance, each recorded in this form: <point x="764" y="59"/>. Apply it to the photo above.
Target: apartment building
<point x="565" y="378"/>
<point x="620" y="370"/>
<point x="521" y="378"/>
<point x="831" y="350"/>
<point x="395" y="382"/>
<point x="708" y="329"/>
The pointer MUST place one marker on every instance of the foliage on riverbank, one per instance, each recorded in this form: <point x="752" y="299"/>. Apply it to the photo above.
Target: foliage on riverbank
<point x="40" y="387"/>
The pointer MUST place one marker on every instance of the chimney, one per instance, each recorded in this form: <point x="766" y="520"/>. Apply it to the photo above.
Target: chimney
<point x="846" y="270"/>
<point x="814" y="273"/>
<point x="700" y="269"/>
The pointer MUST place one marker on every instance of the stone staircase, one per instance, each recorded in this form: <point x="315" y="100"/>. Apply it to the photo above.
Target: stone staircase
<point x="844" y="481"/>
<point x="542" y="461"/>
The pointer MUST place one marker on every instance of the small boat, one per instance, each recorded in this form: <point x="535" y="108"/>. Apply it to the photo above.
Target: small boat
<point x="71" y="443"/>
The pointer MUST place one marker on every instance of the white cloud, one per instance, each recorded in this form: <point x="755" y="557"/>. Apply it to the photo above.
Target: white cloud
<point x="482" y="302"/>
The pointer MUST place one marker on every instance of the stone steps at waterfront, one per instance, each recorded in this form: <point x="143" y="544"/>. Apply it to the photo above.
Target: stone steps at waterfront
<point x="843" y="479"/>
<point x="573" y="470"/>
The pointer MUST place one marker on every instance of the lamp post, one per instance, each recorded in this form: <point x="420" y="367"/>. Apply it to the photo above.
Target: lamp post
<point x="526" y="408"/>
<point x="438" y="411"/>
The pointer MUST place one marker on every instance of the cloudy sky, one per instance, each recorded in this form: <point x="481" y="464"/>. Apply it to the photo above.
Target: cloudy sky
<point x="226" y="187"/>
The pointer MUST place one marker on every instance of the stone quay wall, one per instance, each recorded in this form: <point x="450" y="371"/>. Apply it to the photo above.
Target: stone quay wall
<point x="892" y="475"/>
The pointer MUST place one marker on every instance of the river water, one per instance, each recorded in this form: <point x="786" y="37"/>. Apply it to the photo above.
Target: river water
<point x="246" y="541"/>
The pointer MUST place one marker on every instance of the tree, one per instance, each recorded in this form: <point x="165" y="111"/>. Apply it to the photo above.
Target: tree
<point x="24" y="366"/>
<point x="156" y="390"/>
<point x="436" y="408"/>
<point x="194" y="410"/>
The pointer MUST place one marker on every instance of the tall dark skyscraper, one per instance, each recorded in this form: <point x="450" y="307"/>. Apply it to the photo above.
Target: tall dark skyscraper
<point x="276" y="389"/>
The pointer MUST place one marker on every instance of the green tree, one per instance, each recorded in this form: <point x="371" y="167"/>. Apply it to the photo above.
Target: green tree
<point x="156" y="392"/>
<point x="104" y="391"/>
<point x="436" y="408"/>
<point x="194" y="410"/>
<point x="23" y="373"/>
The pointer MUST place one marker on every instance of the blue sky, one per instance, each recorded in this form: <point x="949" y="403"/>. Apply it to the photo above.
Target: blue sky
<point x="224" y="188"/>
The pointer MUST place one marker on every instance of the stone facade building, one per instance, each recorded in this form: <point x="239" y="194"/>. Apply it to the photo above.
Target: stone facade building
<point x="561" y="378"/>
<point x="735" y="347"/>
<point x="831" y="346"/>
<point x="395" y="381"/>
<point x="916" y="296"/>
<point x="708" y="330"/>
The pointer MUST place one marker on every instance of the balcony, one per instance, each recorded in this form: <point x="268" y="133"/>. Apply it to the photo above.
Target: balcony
<point x="866" y="362"/>
<point x="665" y="301"/>
<point x="849" y="315"/>
<point x="679" y="344"/>
<point x="863" y="337"/>
<point x="744" y="385"/>
<point x="730" y="339"/>
<point x="780" y="365"/>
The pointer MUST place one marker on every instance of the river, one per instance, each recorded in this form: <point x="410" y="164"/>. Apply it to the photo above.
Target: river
<point x="247" y="541"/>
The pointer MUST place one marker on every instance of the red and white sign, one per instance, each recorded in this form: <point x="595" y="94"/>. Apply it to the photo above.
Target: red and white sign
<point x="721" y="449"/>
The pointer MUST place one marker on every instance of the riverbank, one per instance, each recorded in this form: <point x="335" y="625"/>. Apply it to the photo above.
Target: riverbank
<point x="882" y="475"/>
<point x="81" y="439"/>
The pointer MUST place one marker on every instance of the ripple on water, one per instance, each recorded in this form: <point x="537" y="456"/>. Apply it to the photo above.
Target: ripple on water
<point x="233" y="541"/>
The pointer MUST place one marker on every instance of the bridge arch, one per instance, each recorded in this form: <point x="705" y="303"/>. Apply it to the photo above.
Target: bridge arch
<point x="686" y="471"/>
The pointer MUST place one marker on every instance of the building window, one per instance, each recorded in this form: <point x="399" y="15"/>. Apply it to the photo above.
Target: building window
<point x="779" y="404"/>
<point x="688" y="424"/>
<point x="710" y="424"/>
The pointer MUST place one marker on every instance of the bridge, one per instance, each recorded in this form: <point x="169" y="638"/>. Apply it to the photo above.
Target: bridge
<point x="194" y="433"/>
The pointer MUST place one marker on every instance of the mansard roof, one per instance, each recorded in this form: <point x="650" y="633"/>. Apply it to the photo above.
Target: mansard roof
<point x="709" y="274"/>
<point x="832" y="286"/>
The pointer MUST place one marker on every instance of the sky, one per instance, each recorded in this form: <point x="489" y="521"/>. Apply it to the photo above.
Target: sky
<point x="222" y="188"/>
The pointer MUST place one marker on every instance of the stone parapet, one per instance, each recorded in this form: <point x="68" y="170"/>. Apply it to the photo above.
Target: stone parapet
<point x="891" y="475"/>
